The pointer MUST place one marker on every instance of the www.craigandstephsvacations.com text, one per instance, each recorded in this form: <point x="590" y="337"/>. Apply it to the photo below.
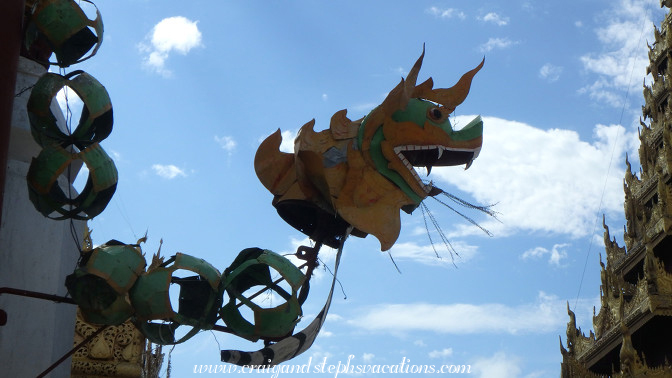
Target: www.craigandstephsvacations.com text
<point x="404" y="367"/>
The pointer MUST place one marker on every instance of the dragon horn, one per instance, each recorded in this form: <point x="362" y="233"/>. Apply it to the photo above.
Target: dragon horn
<point x="395" y="100"/>
<point x="412" y="77"/>
<point x="453" y="96"/>
<point x="399" y="96"/>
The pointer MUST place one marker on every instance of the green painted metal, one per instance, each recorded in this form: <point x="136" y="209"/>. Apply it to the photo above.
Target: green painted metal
<point x="66" y="28"/>
<point x="150" y="295"/>
<point x="115" y="314"/>
<point x="119" y="264"/>
<point x="49" y="198"/>
<point x="200" y="299"/>
<point x="200" y="266"/>
<point x="46" y="167"/>
<point x="164" y="333"/>
<point x="96" y="120"/>
<point x="415" y="112"/>
<point x="252" y="268"/>
<point x="101" y="283"/>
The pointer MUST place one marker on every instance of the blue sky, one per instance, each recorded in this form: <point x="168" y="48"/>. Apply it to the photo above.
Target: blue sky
<point x="197" y="85"/>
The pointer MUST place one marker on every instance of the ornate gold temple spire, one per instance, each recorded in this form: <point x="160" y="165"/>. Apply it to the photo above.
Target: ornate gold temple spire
<point x="633" y="327"/>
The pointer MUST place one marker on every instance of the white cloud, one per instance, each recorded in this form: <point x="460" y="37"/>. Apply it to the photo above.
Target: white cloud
<point x="497" y="43"/>
<point x="334" y="317"/>
<point x="364" y="107"/>
<point x="327" y="258"/>
<point x="172" y="34"/>
<point x="555" y="255"/>
<point x="168" y="171"/>
<point x="69" y="102"/>
<point x="550" y="72"/>
<point x="624" y="56"/>
<point x="80" y="180"/>
<point x="534" y="253"/>
<point x="500" y="365"/>
<point x="227" y="143"/>
<point x="542" y="180"/>
<point x="446" y="12"/>
<point x="368" y="357"/>
<point x="545" y="315"/>
<point x="325" y="97"/>
<point x="426" y="254"/>
<point x="267" y="299"/>
<point x="495" y="19"/>
<point x="116" y="156"/>
<point x="287" y="144"/>
<point x="443" y="353"/>
<point x="538" y="374"/>
<point x="319" y="354"/>
<point x="327" y="254"/>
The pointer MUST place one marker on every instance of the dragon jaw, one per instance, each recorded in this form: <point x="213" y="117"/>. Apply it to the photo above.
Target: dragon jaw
<point x="416" y="137"/>
<point x="413" y="156"/>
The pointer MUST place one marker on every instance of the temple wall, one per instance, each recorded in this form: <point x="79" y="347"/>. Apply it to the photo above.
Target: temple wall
<point x="36" y="253"/>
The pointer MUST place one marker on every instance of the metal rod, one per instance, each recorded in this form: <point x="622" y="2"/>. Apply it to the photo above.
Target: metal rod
<point x="221" y="328"/>
<point x="36" y="294"/>
<point x="72" y="351"/>
<point x="258" y="293"/>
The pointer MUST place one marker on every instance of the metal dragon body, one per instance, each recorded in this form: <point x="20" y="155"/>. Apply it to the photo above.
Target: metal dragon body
<point x="353" y="178"/>
<point x="362" y="173"/>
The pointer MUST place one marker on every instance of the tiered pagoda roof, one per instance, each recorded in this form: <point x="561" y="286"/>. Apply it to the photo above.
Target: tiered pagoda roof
<point x="632" y="334"/>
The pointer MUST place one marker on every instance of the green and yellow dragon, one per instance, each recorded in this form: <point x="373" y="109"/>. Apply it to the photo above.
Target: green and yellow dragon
<point x="362" y="173"/>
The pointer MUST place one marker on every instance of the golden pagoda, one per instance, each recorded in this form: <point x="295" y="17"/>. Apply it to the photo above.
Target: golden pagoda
<point x="633" y="330"/>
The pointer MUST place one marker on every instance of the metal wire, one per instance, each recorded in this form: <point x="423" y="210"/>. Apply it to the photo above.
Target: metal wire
<point x="604" y="188"/>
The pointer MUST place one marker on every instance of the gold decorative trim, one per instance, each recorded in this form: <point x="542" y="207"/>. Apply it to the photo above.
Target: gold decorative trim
<point x="116" y="352"/>
<point x="648" y="212"/>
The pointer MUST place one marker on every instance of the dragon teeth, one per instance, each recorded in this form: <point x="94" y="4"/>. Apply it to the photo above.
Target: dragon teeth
<point x="466" y="166"/>
<point x="399" y="151"/>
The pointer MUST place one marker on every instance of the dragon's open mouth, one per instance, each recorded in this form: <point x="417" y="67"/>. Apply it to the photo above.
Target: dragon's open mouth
<point x="433" y="156"/>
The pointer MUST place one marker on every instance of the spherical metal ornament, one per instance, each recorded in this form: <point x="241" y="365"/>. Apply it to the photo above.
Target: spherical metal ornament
<point x="199" y="299"/>
<point x="95" y="122"/>
<point x="101" y="283"/>
<point x="64" y="26"/>
<point x="48" y="196"/>
<point x="252" y="268"/>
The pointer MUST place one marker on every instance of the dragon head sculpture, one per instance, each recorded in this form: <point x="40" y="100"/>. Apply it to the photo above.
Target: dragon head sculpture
<point x="362" y="173"/>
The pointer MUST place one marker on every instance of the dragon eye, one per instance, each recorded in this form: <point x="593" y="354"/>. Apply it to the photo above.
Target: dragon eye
<point x="436" y="114"/>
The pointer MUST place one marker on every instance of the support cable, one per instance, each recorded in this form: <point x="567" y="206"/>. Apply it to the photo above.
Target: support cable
<point x="613" y="149"/>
